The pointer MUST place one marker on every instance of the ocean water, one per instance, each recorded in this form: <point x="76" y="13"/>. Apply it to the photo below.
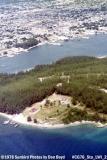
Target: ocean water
<point x="46" y="54"/>
<point x="79" y="140"/>
<point x="69" y="141"/>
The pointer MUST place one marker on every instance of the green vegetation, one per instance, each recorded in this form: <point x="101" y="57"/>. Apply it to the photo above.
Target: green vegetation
<point x="29" y="119"/>
<point x="53" y="112"/>
<point x="27" y="43"/>
<point x="80" y="77"/>
<point x="74" y="115"/>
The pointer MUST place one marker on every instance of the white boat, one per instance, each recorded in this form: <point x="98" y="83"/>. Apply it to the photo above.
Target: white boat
<point x="55" y="43"/>
<point x="6" y="122"/>
<point x="10" y="55"/>
<point x="12" y="122"/>
<point x="16" y="125"/>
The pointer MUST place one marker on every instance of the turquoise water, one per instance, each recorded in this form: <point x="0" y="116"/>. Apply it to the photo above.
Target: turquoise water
<point x="83" y="139"/>
<point x="46" y="54"/>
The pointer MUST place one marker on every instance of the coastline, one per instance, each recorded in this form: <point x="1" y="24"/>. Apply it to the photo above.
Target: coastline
<point x="12" y="52"/>
<point x="66" y="50"/>
<point x="20" y="119"/>
<point x="16" y="51"/>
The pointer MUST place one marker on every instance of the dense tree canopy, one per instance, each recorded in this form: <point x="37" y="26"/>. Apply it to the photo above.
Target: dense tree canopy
<point x="81" y="78"/>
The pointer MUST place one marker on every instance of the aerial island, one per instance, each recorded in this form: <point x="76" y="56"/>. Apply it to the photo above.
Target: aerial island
<point x="71" y="90"/>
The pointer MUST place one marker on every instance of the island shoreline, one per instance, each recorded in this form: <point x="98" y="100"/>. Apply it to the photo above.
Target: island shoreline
<point x="17" y="118"/>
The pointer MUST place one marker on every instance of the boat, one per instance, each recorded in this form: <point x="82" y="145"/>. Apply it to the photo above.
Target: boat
<point x="12" y="123"/>
<point x="10" y="55"/>
<point x="6" y="122"/>
<point x="16" y="125"/>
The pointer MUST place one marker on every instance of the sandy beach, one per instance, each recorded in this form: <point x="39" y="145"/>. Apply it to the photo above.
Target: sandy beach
<point x="20" y="119"/>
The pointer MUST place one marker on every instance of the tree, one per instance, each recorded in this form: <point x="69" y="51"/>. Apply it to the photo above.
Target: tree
<point x="29" y="119"/>
<point x="35" y="120"/>
<point x="74" y="102"/>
